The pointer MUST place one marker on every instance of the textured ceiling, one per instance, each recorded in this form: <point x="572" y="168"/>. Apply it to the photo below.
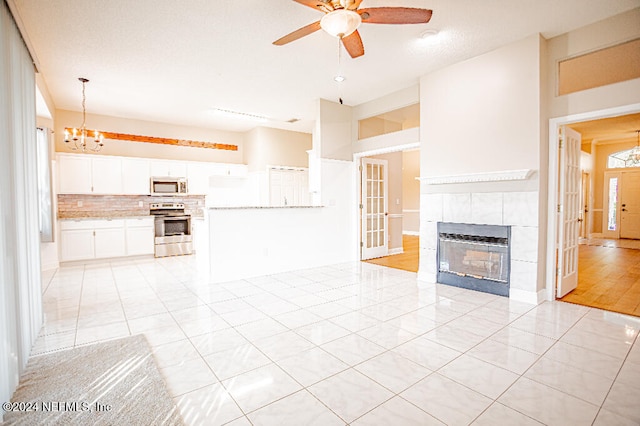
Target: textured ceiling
<point x="172" y="61"/>
<point x="608" y="130"/>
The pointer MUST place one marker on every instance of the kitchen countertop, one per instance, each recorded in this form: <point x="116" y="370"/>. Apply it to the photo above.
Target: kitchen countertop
<point x="261" y="207"/>
<point x="102" y="215"/>
<point x="114" y="215"/>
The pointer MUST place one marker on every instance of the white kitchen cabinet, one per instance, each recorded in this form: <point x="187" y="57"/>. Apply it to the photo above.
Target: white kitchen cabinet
<point x="135" y="176"/>
<point x="87" y="174"/>
<point x="91" y="239"/>
<point x="76" y="244"/>
<point x="75" y="174"/>
<point x="139" y="236"/>
<point x="109" y="242"/>
<point x="106" y="175"/>
<point x="168" y="168"/>
<point x="198" y="175"/>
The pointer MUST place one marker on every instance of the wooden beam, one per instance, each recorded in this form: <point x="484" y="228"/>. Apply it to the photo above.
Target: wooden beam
<point x="164" y="141"/>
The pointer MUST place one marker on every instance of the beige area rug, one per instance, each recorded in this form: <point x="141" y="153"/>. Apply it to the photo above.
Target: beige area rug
<point x="111" y="383"/>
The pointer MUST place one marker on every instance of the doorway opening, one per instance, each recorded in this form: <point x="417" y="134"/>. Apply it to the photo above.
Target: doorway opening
<point x="588" y="210"/>
<point x="389" y="207"/>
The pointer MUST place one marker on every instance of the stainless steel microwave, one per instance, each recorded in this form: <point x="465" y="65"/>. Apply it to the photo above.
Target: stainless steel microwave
<point x="168" y="185"/>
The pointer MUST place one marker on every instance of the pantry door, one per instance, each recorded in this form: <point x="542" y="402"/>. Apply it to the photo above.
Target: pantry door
<point x="374" y="239"/>
<point x="568" y="210"/>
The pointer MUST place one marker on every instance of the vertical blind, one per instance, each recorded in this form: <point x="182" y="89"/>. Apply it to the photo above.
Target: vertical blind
<point x="20" y="280"/>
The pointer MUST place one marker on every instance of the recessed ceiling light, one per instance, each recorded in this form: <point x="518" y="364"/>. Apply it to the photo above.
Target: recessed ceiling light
<point x="339" y="78"/>
<point x="428" y="33"/>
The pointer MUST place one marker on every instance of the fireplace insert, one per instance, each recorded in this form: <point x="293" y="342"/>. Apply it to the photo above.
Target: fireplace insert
<point x="475" y="257"/>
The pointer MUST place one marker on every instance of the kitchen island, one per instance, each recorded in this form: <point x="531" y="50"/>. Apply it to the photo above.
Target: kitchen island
<point x="260" y="240"/>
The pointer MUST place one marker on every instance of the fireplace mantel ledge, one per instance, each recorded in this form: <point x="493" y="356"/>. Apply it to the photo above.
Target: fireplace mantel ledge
<point x="501" y="176"/>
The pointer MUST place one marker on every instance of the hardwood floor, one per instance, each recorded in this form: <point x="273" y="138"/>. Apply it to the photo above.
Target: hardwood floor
<point x="407" y="261"/>
<point x="608" y="278"/>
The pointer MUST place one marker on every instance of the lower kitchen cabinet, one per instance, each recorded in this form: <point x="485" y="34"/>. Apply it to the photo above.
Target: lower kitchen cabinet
<point x="76" y="244"/>
<point x="140" y="236"/>
<point x="100" y="239"/>
<point x="109" y="242"/>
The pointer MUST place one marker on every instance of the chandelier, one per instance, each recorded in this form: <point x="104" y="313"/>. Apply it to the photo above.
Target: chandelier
<point x="633" y="159"/>
<point x="82" y="141"/>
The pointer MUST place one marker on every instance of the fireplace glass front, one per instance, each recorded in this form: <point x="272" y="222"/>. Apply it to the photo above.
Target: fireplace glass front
<point x="474" y="257"/>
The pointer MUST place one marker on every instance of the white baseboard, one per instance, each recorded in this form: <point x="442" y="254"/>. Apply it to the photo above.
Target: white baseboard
<point x="427" y="277"/>
<point x="534" y="298"/>
<point x="414" y="233"/>
<point x="398" y="250"/>
<point x="50" y="265"/>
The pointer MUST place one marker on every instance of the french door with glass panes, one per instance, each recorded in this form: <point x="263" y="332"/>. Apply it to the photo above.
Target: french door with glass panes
<point x="375" y="231"/>
<point x="569" y="211"/>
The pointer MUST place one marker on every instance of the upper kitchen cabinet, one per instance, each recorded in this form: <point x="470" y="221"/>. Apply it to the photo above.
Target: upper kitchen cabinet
<point x="198" y="177"/>
<point x="168" y="168"/>
<point x="86" y="174"/>
<point x="136" y="176"/>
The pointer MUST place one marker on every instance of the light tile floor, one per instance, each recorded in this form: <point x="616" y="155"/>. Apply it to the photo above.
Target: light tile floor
<point x="353" y="344"/>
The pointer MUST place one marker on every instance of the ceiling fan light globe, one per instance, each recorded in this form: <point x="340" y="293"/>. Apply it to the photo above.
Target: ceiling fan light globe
<point x="341" y="22"/>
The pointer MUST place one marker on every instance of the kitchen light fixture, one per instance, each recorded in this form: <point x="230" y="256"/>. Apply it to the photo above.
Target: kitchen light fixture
<point x="80" y="137"/>
<point x="633" y="160"/>
<point x="341" y="22"/>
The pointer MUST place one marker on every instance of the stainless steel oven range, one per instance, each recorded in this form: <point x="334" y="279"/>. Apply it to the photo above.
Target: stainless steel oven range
<point x="172" y="229"/>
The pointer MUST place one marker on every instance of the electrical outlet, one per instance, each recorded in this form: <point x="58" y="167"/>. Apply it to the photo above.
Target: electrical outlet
<point x="140" y="204"/>
<point x="79" y="203"/>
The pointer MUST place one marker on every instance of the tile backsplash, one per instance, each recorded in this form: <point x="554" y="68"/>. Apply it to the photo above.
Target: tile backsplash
<point x="71" y="206"/>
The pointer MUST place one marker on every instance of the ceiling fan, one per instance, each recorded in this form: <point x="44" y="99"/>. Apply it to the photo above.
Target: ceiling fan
<point x="342" y="19"/>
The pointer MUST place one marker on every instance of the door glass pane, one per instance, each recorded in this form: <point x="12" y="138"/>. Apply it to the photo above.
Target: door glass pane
<point x="613" y="204"/>
<point x="381" y="240"/>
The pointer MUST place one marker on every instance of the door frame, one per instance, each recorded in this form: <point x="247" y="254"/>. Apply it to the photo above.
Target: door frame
<point x="357" y="156"/>
<point x="553" y="182"/>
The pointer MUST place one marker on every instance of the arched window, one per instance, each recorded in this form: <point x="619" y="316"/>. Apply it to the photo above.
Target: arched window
<point x="626" y="158"/>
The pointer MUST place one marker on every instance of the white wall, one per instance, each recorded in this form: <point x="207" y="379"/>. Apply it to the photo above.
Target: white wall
<point x="411" y="192"/>
<point x="332" y="132"/>
<point x="389" y="102"/>
<point x="485" y="115"/>
<point x="105" y="123"/>
<point x="274" y="147"/>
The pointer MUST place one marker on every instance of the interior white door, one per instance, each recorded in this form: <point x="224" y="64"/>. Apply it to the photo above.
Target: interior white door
<point x="630" y="205"/>
<point x="569" y="211"/>
<point x="374" y="208"/>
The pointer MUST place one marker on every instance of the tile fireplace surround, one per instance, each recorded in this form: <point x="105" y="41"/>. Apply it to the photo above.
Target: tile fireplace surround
<point x="516" y="209"/>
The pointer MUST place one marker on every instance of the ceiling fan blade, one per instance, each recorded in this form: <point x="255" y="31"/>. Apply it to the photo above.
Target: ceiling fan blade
<point x="353" y="44"/>
<point x="299" y="33"/>
<point x="395" y="15"/>
<point x="320" y="5"/>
